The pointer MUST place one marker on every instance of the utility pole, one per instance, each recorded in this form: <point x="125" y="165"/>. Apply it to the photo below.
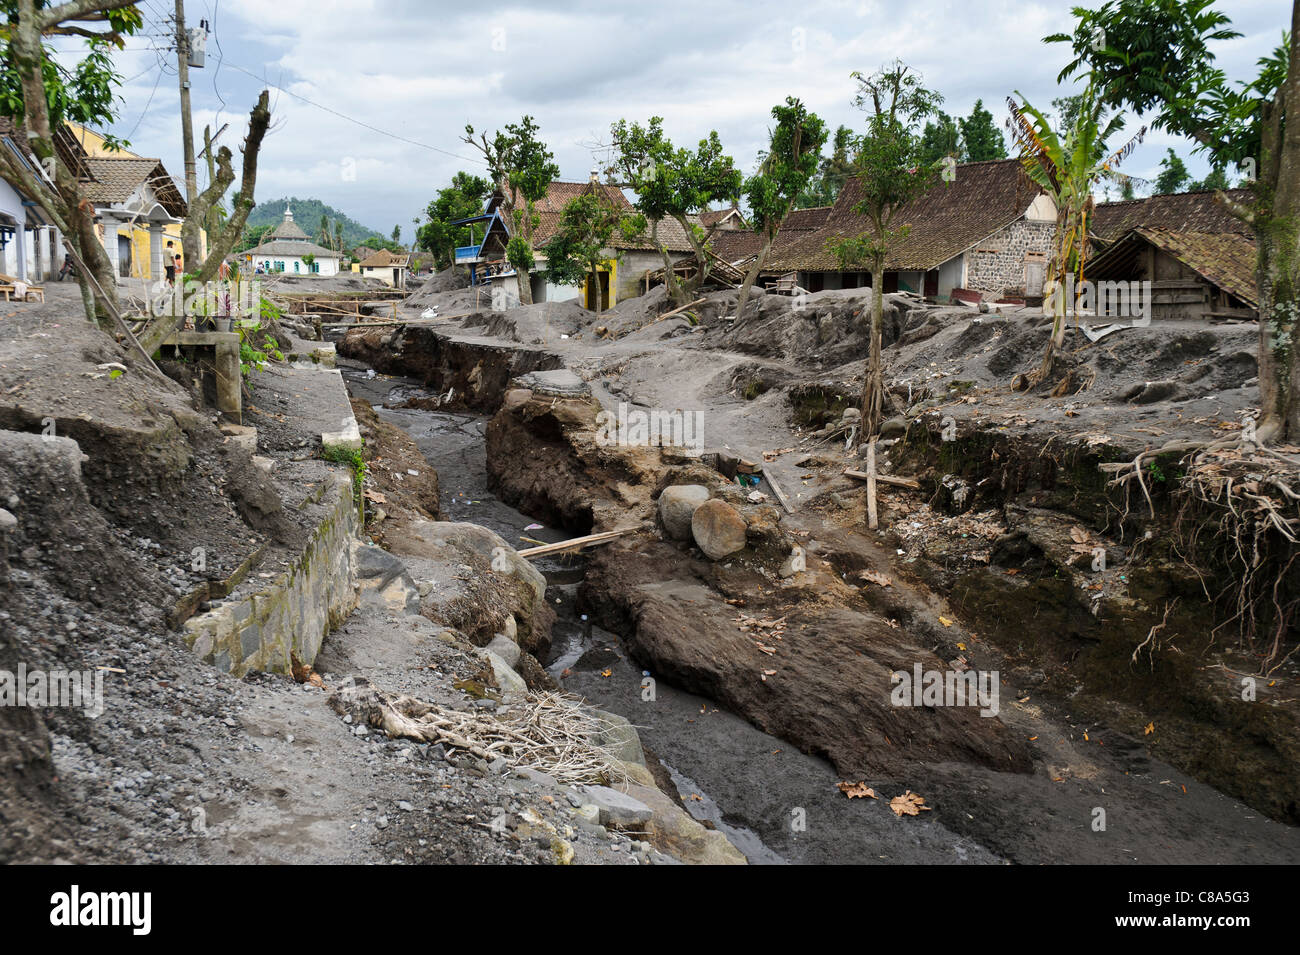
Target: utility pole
<point x="189" y="237"/>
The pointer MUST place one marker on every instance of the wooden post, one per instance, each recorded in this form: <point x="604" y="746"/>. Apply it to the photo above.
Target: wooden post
<point x="872" y="520"/>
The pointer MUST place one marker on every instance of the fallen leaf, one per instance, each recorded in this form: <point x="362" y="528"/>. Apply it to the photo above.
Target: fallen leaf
<point x="908" y="804"/>
<point x="870" y="576"/>
<point x="945" y="621"/>
<point x="1150" y="728"/>
<point x="607" y="672"/>
<point x="857" y="790"/>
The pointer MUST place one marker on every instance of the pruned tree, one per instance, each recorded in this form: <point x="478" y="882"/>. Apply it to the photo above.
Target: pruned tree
<point x="795" y="145"/>
<point x="675" y="183"/>
<point x="1154" y="57"/>
<point x="890" y="170"/>
<point x="582" y="241"/>
<point x="1068" y="165"/>
<point x="524" y="168"/>
<point x="232" y="231"/>
<point x="39" y="92"/>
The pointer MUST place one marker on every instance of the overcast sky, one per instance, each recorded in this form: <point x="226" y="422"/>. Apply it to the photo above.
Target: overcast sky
<point x="419" y="71"/>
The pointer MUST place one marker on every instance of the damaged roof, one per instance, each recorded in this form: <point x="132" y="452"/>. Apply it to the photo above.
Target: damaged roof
<point x="117" y="179"/>
<point x="383" y="259"/>
<point x="1177" y="212"/>
<point x="1224" y="259"/>
<point x="550" y="208"/>
<point x="945" y="221"/>
<point x="737" y="245"/>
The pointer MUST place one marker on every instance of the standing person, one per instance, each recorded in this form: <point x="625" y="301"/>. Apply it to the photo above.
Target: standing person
<point x="68" y="267"/>
<point x="171" y="262"/>
<point x="179" y="262"/>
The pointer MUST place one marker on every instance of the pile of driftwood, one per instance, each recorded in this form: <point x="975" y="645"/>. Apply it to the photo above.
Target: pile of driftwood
<point x="548" y="732"/>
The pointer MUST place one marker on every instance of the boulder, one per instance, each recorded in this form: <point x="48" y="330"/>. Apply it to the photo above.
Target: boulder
<point x="616" y="808"/>
<point x="677" y="506"/>
<point x="505" y="648"/>
<point x="718" y="529"/>
<point x="510" y="683"/>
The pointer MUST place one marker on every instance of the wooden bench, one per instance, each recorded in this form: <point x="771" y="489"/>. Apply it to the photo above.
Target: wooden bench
<point x="9" y="288"/>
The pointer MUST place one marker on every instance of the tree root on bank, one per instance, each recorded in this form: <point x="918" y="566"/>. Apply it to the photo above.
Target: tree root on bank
<point x="547" y="733"/>
<point x="1257" y="535"/>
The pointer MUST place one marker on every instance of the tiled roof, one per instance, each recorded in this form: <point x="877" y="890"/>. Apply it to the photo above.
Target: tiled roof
<point x="1179" y="212"/>
<point x="945" y="221"/>
<point x="713" y="216"/>
<point x="736" y="245"/>
<point x="288" y="229"/>
<point x="66" y="147"/>
<point x="117" y="179"/>
<point x="551" y="206"/>
<point x="383" y="259"/>
<point x="295" y="247"/>
<point x="1225" y="259"/>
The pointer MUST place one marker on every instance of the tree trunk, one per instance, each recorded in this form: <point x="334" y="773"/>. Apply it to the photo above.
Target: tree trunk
<point x="675" y="291"/>
<point x="752" y="276"/>
<point x="1278" y="235"/>
<point x="873" y="388"/>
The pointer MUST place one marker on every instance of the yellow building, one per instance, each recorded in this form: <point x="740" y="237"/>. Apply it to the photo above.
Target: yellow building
<point x="138" y="200"/>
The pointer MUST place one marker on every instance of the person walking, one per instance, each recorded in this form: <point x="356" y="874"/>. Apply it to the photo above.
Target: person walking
<point x="172" y="261"/>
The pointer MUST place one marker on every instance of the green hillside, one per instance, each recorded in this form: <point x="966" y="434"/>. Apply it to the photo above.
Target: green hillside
<point x="307" y="213"/>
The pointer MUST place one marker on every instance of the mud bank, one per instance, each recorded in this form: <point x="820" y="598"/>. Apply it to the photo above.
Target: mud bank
<point x="462" y="373"/>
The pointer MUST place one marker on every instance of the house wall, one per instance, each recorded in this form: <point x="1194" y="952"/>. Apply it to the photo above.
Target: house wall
<point x="629" y="280"/>
<point x="951" y="275"/>
<point x="997" y="264"/>
<point x="327" y="266"/>
<point x="13" y="261"/>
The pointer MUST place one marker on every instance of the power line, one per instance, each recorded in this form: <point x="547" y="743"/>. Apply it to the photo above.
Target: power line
<point x="375" y="129"/>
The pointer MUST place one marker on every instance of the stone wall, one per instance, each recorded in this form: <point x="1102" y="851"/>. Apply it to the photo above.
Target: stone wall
<point x="258" y="629"/>
<point x="997" y="264"/>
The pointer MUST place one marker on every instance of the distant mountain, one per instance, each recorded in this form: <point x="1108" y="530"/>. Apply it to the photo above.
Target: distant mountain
<point x="306" y="214"/>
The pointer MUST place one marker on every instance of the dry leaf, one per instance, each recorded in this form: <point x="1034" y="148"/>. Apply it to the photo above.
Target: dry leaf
<point x="1150" y="728"/>
<point x="945" y="621"/>
<point x="857" y="790"/>
<point x="870" y="576"/>
<point x="908" y="804"/>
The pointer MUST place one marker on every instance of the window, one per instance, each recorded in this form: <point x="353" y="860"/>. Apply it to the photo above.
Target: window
<point x="279" y="266"/>
<point x="295" y="265"/>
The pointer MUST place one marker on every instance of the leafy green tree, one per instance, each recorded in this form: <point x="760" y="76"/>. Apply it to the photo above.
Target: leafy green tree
<point x="941" y="138"/>
<point x="1068" y="166"/>
<point x="832" y="172"/>
<point x="39" y="90"/>
<point x="1216" y="178"/>
<point x="675" y="183"/>
<point x="795" y="145"/>
<point x="463" y="199"/>
<point x="582" y="240"/>
<point x="397" y="235"/>
<point x="890" y="167"/>
<point x="1154" y="56"/>
<point x="1173" y="175"/>
<point x="980" y="135"/>
<point x="1067" y="111"/>
<point x="521" y="164"/>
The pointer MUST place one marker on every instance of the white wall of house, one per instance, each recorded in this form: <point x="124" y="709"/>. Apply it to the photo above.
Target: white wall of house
<point x="294" y="265"/>
<point x="951" y="275"/>
<point x="14" y="260"/>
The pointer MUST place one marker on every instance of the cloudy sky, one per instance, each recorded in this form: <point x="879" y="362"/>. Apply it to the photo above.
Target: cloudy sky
<point x="370" y="98"/>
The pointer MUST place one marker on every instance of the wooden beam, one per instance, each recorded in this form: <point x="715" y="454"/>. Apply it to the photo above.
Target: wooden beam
<point x="576" y="543"/>
<point x="872" y="519"/>
<point x="908" y="483"/>
<point x="776" y="489"/>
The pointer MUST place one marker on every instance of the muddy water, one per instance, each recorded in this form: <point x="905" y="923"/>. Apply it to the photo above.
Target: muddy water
<point x="776" y="804"/>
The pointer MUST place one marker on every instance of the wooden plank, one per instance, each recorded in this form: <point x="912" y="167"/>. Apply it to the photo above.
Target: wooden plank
<point x="776" y="489"/>
<point x="872" y="519"/>
<point x="576" y="543"/>
<point x="885" y="479"/>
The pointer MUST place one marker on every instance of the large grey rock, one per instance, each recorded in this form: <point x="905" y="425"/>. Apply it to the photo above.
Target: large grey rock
<point x="505" y="648"/>
<point x="616" y="808"/>
<point x="511" y="684"/>
<point x="718" y="529"/>
<point x="620" y="738"/>
<point x="372" y="562"/>
<point x="560" y="382"/>
<point x="677" y="506"/>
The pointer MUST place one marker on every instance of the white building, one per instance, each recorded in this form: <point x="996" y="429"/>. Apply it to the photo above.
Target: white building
<point x="285" y="249"/>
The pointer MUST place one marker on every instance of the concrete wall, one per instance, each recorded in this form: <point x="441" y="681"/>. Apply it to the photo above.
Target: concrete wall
<point x="258" y="629"/>
<point x="14" y="259"/>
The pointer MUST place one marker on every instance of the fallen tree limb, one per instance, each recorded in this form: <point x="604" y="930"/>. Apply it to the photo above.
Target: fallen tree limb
<point x="909" y="483"/>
